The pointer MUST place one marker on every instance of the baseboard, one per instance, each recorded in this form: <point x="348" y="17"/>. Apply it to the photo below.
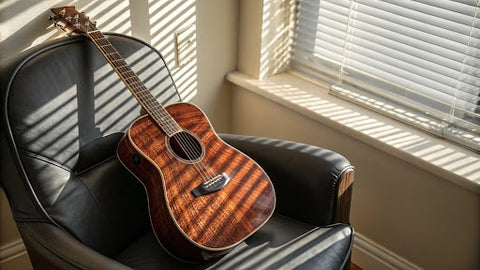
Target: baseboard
<point x="14" y="256"/>
<point x="369" y="255"/>
<point x="11" y="250"/>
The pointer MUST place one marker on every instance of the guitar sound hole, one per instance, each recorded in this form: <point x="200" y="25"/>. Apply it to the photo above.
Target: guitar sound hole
<point x="186" y="146"/>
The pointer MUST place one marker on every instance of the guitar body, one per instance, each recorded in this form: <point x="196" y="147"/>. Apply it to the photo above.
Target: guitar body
<point x="194" y="223"/>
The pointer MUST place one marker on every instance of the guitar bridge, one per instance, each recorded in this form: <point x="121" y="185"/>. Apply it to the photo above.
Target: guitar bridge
<point x="214" y="184"/>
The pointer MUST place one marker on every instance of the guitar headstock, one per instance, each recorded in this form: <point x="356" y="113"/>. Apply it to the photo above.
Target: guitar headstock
<point x="69" y="18"/>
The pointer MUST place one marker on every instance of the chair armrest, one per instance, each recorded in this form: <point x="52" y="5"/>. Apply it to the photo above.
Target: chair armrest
<point x="52" y="248"/>
<point x="312" y="184"/>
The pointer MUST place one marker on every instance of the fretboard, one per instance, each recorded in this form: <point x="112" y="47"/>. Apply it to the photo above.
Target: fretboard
<point x="135" y="85"/>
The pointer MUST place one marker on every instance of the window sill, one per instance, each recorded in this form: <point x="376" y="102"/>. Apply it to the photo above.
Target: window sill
<point x="311" y="99"/>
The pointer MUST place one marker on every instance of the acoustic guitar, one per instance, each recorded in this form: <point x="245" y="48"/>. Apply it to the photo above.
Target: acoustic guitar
<point x="204" y="196"/>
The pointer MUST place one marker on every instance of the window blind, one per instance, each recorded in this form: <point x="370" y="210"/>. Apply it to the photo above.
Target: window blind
<point x="418" y="61"/>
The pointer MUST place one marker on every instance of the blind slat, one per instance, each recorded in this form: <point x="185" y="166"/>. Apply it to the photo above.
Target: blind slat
<point x="383" y="48"/>
<point x="413" y="28"/>
<point x="421" y="14"/>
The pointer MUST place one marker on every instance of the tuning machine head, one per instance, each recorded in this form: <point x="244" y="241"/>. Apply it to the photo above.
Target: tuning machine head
<point x="60" y="24"/>
<point x="68" y="18"/>
<point x="53" y="18"/>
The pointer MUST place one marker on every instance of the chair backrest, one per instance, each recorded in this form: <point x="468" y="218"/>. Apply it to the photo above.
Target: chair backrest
<point x="64" y="110"/>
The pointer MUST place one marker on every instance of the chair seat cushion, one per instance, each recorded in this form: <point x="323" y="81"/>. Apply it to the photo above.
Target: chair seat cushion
<point x="282" y="243"/>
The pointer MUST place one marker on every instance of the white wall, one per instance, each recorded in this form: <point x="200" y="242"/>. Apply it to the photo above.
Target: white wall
<point x="24" y="23"/>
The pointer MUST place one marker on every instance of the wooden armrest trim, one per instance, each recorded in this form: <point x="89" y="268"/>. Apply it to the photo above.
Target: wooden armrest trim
<point x="344" y="197"/>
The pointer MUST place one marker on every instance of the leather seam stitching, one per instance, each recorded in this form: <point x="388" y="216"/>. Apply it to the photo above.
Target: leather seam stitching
<point x="37" y="156"/>
<point x="29" y="220"/>
<point x="94" y="165"/>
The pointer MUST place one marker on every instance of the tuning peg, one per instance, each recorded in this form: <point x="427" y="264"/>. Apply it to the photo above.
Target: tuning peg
<point x="61" y="27"/>
<point x="67" y="31"/>
<point x="52" y="18"/>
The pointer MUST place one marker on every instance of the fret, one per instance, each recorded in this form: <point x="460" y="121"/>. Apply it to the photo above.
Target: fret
<point x="129" y="72"/>
<point x="131" y="80"/>
<point x="109" y="49"/>
<point x="124" y="69"/>
<point x="129" y="75"/>
<point x="121" y="61"/>
<point x="99" y="37"/>
<point x="135" y="85"/>
<point x="143" y="92"/>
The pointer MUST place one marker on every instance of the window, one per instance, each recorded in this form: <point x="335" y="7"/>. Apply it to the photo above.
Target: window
<point x="417" y="61"/>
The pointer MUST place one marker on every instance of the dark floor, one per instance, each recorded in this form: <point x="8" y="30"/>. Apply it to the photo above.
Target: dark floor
<point x="354" y="267"/>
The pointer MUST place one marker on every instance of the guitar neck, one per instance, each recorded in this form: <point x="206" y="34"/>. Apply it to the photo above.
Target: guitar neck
<point x="134" y="84"/>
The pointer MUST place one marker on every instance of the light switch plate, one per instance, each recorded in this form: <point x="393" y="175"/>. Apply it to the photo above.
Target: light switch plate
<point x="185" y="45"/>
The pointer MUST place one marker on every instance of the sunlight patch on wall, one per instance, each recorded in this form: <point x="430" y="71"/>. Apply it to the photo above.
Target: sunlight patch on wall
<point x="24" y="24"/>
<point x="16" y="15"/>
<point x="169" y="19"/>
<point x="111" y="16"/>
<point x="277" y="33"/>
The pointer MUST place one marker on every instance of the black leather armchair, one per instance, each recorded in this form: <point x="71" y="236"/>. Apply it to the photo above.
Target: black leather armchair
<point x="63" y="111"/>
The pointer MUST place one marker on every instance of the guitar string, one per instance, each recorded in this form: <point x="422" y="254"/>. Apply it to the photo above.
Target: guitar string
<point x="108" y="44"/>
<point x="188" y="146"/>
<point x="184" y="138"/>
<point x="191" y="146"/>
<point x="143" y="95"/>
<point x="169" y="128"/>
<point x="129" y="81"/>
